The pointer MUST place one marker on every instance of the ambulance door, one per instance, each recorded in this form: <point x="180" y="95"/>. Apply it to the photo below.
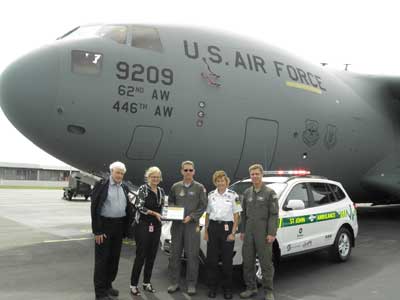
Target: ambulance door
<point x="296" y="226"/>
<point x="327" y="214"/>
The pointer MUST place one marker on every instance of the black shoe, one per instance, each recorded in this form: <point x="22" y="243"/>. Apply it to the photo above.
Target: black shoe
<point x="227" y="295"/>
<point x="106" y="297"/>
<point x="212" y="294"/>
<point x="113" y="292"/>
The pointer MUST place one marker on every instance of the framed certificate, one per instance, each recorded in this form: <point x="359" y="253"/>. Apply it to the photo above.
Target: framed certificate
<point x="173" y="213"/>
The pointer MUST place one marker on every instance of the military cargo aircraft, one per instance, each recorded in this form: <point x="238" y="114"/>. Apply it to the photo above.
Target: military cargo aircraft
<point x="158" y="95"/>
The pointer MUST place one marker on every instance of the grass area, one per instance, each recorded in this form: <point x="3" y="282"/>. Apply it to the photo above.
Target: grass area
<point x="23" y="187"/>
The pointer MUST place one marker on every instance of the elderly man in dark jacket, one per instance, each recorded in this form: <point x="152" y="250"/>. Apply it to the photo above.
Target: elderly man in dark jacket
<point x="111" y="213"/>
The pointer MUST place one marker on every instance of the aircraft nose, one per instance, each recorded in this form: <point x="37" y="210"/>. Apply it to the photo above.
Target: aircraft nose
<point x="28" y="88"/>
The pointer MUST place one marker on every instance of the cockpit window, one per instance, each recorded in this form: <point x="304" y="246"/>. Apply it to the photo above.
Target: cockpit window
<point x="146" y="38"/>
<point x="117" y="33"/>
<point x="82" y="32"/>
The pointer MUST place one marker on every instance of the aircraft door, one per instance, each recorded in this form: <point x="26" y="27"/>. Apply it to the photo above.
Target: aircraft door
<point x="259" y="145"/>
<point x="144" y="143"/>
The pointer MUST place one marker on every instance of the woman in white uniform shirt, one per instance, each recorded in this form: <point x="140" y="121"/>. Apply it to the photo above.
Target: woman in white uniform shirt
<point x="222" y="218"/>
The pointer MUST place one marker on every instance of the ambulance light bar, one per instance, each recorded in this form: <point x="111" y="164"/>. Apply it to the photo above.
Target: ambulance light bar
<point x="288" y="172"/>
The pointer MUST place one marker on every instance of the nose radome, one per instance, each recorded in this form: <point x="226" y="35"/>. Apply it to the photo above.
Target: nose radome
<point x="28" y="88"/>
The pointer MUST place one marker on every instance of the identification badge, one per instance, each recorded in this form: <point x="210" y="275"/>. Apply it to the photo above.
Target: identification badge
<point x="226" y="227"/>
<point x="151" y="228"/>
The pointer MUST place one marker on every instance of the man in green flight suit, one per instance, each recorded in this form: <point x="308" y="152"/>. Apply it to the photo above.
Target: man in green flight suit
<point x="185" y="235"/>
<point x="260" y="224"/>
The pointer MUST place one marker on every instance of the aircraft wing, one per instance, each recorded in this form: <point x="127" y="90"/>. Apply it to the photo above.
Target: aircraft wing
<point x="384" y="178"/>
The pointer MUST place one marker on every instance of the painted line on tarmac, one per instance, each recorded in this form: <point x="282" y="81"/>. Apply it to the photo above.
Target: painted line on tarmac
<point x="67" y="240"/>
<point x="129" y="242"/>
<point x="125" y="242"/>
<point x="289" y="296"/>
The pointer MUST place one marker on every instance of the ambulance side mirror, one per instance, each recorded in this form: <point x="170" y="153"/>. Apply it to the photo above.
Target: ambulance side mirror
<point x="295" y="204"/>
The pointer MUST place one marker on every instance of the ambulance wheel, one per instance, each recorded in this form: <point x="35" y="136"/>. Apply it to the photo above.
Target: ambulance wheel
<point x="341" y="249"/>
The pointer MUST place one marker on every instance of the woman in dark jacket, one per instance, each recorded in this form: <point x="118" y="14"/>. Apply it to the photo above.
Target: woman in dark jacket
<point x="149" y="204"/>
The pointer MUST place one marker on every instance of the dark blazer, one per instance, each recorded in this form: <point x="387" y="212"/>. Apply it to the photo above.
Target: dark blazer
<point x="98" y="197"/>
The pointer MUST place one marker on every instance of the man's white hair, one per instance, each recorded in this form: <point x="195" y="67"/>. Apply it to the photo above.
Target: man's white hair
<point x="118" y="165"/>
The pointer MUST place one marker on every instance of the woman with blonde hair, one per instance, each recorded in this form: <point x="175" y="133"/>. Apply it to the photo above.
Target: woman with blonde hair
<point x="222" y="218"/>
<point x="149" y="204"/>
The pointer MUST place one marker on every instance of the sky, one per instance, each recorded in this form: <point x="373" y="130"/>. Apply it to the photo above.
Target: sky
<point x="361" y="33"/>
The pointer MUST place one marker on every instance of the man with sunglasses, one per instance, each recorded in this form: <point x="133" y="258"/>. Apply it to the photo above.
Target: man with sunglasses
<point x="185" y="235"/>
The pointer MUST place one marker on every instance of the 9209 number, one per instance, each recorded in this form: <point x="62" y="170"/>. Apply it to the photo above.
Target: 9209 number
<point x="138" y="72"/>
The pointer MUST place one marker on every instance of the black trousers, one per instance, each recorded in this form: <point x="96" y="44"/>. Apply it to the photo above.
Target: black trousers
<point x="107" y="254"/>
<point x="218" y="248"/>
<point x="146" y="251"/>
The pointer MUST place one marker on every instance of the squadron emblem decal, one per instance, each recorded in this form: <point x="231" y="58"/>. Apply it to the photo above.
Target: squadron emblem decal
<point x="330" y="138"/>
<point x="311" y="133"/>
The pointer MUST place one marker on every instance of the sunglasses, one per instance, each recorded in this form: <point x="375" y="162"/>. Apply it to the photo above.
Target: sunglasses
<point x="188" y="170"/>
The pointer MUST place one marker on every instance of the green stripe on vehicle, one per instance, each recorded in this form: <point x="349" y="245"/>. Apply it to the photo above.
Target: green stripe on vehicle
<point x="313" y="218"/>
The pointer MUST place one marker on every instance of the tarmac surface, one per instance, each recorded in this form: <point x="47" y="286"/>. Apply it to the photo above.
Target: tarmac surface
<point x="46" y="252"/>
